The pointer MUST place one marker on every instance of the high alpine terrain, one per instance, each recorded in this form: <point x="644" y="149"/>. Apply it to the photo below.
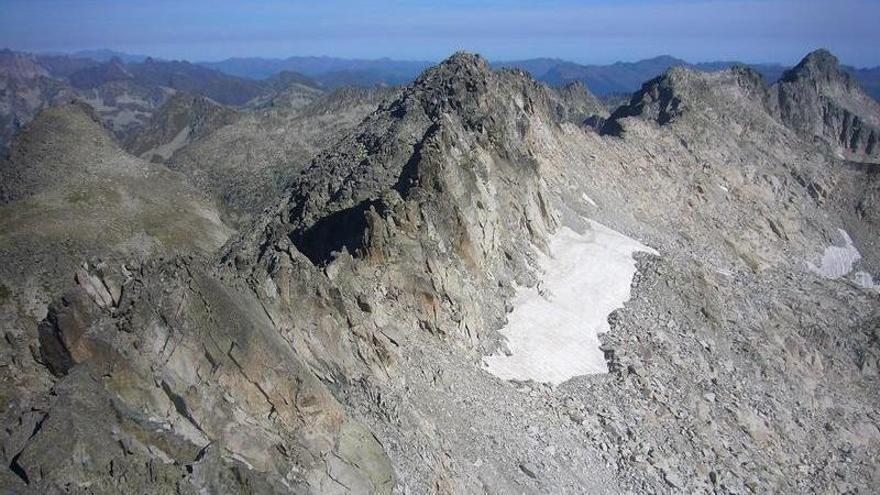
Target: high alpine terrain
<point x="386" y="315"/>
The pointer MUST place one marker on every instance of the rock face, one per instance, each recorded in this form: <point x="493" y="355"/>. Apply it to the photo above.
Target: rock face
<point x="819" y="100"/>
<point x="171" y="396"/>
<point x="335" y="345"/>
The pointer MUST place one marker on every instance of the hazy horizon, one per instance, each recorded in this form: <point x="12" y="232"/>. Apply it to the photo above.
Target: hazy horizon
<point x="305" y="55"/>
<point x="592" y="32"/>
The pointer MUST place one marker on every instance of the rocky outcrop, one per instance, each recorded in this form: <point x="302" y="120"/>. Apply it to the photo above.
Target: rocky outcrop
<point x="152" y="390"/>
<point x="821" y="101"/>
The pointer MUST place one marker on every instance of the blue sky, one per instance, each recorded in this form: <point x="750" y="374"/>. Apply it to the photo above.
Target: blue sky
<point x="587" y="31"/>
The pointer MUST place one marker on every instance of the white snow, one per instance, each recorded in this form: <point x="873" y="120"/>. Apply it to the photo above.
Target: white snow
<point x="837" y="261"/>
<point x="588" y="199"/>
<point x="553" y="332"/>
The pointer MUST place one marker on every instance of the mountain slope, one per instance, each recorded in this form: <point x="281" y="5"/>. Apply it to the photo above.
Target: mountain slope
<point x="179" y="121"/>
<point x="287" y="89"/>
<point x="194" y="79"/>
<point x="69" y="193"/>
<point x="440" y="200"/>
<point x="25" y="89"/>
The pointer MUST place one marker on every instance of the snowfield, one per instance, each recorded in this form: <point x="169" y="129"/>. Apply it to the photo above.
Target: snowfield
<point x="553" y="331"/>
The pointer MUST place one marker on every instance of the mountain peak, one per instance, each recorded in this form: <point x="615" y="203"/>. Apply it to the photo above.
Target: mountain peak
<point x="821" y="58"/>
<point x="457" y="83"/>
<point x="466" y="60"/>
<point x="819" y="65"/>
<point x="819" y="100"/>
<point x="461" y="65"/>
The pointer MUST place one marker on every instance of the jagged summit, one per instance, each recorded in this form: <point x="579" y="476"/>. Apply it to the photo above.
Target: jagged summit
<point x="454" y="84"/>
<point x="462" y="60"/>
<point x="823" y="103"/>
<point x="819" y="65"/>
<point x="461" y="95"/>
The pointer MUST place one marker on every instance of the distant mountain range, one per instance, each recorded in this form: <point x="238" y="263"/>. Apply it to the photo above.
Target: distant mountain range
<point x="104" y="55"/>
<point x="622" y="77"/>
<point x="602" y="80"/>
<point x="627" y="77"/>
<point x="334" y="72"/>
<point x="331" y="72"/>
<point x="125" y="89"/>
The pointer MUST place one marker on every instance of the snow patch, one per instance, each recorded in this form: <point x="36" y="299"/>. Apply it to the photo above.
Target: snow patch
<point x="837" y="261"/>
<point x="553" y="331"/>
<point x="865" y="281"/>
<point x="588" y="199"/>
